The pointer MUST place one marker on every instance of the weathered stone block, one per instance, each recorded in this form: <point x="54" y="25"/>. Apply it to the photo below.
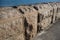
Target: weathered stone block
<point x="58" y="11"/>
<point x="46" y="22"/>
<point x="54" y="7"/>
<point x="44" y="10"/>
<point x="11" y="25"/>
<point x="30" y="21"/>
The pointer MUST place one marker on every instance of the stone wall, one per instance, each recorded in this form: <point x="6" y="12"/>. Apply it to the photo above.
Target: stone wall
<point x="25" y="22"/>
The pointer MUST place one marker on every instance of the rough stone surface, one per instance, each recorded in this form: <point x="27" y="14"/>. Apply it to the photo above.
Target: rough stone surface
<point x="45" y="22"/>
<point x="25" y="22"/>
<point x="11" y="25"/>
<point x="30" y="21"/>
